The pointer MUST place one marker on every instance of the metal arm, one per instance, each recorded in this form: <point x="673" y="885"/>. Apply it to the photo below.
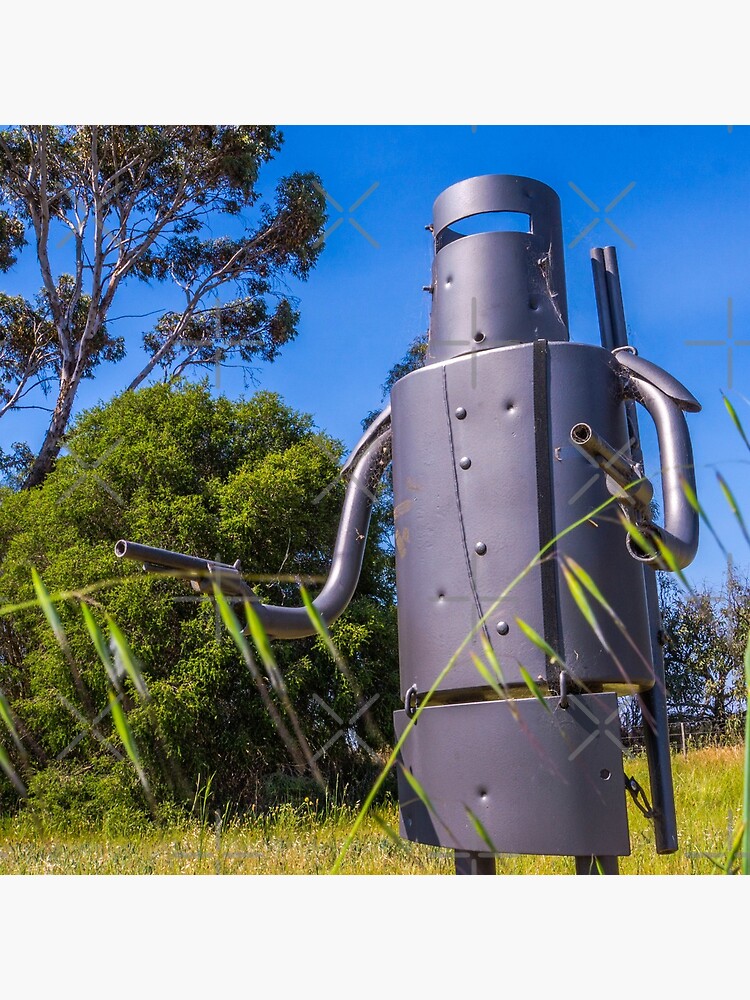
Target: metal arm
<point x="680" y="531"/>
<point x="371" y="456"/>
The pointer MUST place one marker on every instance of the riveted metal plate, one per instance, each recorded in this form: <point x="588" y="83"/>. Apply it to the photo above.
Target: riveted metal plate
<point x="536" y="782"/>
<point x="463" y="535"/>
<point x="584" y="386"/>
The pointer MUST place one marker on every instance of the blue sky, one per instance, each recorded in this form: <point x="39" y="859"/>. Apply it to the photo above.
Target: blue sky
<point x="682" y="232"/>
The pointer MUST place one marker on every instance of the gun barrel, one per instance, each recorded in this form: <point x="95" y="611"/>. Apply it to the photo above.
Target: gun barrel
<point x="614" y="463"/>
<point x="205" y="571"/>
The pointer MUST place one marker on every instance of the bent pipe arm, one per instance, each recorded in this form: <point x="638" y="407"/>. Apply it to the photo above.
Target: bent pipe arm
<point x="348" y="552"/>
<point x="681" y="522"/>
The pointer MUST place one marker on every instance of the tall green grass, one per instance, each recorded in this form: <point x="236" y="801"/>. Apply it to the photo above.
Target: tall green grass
<point x="348" y="837"/>
<point x="307" y="839"/>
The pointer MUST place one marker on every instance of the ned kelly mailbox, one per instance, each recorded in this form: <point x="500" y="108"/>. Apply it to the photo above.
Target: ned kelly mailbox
<point x="518" y="485"/>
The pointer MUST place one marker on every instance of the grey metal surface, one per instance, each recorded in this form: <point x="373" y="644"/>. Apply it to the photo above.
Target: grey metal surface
<point x="585" y="387"/>
<point x="466" y="498"/>
<point x="681" y="521"/>
<point x="496" y="288"/>
<point x="647" y="371"/>
<point x="204" y="573"/>
<point x="603" y="309"/>
<point x="536" y="782"/>
<point x="443" y="511"/>
<point x="634" y="487"/>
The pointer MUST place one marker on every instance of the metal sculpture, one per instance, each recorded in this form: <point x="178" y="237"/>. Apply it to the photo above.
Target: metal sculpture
<point x="510" y="689"/>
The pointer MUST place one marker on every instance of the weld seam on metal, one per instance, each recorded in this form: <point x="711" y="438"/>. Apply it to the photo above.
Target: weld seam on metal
<point x="457" y="495"/>
<point x="548" y="567"/>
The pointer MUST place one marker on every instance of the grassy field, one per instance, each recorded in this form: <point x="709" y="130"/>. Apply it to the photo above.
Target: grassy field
<point x="708" y="785"/>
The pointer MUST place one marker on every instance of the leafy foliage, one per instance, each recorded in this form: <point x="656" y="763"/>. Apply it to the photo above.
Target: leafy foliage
<point x="705" y="635"/>
<point x="170" y="466"/>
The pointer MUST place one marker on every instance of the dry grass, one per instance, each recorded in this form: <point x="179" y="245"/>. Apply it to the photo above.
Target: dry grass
<point x="708" y="784"/>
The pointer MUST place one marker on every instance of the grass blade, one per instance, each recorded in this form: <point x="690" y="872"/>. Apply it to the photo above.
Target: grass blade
<point x="302" y="757"/>
<point x="734" y="850"/>
<point x="390" y="833"/>
<point x="583" y="605"/>
<point x="643" y="543"/>
<point x="100" y="643"/>
<point x="263" y="645"/>
<point x="418" y="790"/>
<point x="45" y="602"/>
<point x="480" y="830"/>
<point x="539" y="642"/>
<point x="125" y="733"/>
<point x="746" y="776"/>
<point x="532" y="685"/>
<point x="733" y="505"/>
<point x="489" y="652"/>
<point x="10" y="772"/>
<point x="588" y="582"/>
<point x="7" y="716"/>
<point x="692" y="499"/>
<point x="736" y="420"/>
<point x="320" y="626"/>
<point x="124" y="657"/>
<point x="668" y="557"/>
<point x="487" y="676"/>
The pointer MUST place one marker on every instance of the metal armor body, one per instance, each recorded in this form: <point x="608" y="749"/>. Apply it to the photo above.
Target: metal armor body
<point x="498" y="492"/>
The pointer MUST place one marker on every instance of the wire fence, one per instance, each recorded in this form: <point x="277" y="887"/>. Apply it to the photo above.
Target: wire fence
<point x="691" y="734"/>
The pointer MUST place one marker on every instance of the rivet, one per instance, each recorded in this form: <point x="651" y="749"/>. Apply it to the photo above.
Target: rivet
<point x="478" y="337"/>
<point x="465" y="462"/>
<point x="604" y="774"/>
<point x="480" y="548"/>
<point x="503" y="628"/>
<point x="460" y="413"/>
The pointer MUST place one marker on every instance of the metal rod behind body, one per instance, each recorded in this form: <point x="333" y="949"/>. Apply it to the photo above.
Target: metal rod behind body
<point x="654" y="701"/>
<point x="614" y="296"/>
<point x="602" y="298"/>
